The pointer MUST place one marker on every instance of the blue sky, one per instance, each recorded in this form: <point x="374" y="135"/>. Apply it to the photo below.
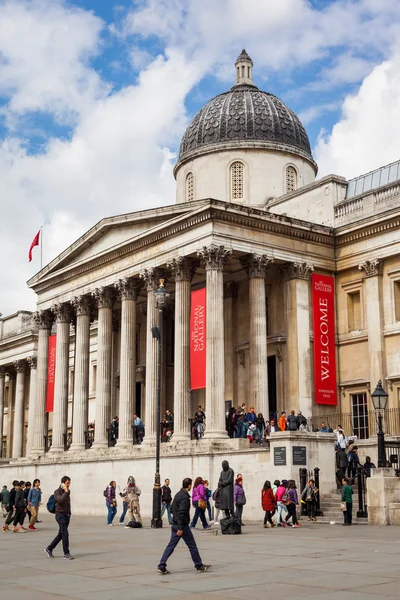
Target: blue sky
<point x="95" y="96"/>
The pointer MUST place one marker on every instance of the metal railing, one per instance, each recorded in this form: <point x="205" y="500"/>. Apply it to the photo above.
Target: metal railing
<point x="364" y="425"/>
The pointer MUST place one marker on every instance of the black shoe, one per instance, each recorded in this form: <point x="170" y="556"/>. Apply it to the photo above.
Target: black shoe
<point x="204" y="568"/>
<point x="163" y="571"/>
<point x="49" y="553"/>
<point x="68" y="557"/>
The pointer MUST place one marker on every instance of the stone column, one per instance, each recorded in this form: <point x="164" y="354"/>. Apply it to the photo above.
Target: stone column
<point x="129" y="290"/>
<point x="32" y="363"/>
<point x="296" y="278"/>
<point x="214" y="257"/>
<point x="150" y="279"/>
<point x="82" y="306"/>
<point x="10" y="410"/>
<point x="105" y="299"/>
<point x="230" y="293"/>
<point x="60" y="412"/>
<point x="256" y="269"/>
<point x="373" y="282"/>
<point x="18" y="433"/>
<point x="2" y="393"/>
<point x="183" y="269"/>
<point x="44" y="321"/>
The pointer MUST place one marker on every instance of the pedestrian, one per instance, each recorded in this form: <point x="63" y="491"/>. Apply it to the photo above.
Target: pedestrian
<point x="368" y="465"/>
<point x="270" y="427"/>
<point x="347" y="502"/>
<point x="4" y="499"/>
<point x="139" y="428"/>
<point x="292" y="422"/>
<point x="199" y="501"/>
<point x="166" y="498"/>
<point x="293" y="503"/>
<point x="132" y="493"/>
<point x="341" y="462"/>
<point x="114" y="430"/>
<point x="282" y="422"/>
<point x="226" y="485"/>
<point x="111" y="502"/>
<point x="20" y="505"/>
<point x="209" y="495"/>
<point x="217" y="499"/>
<point x="354" y="462"/>
<point x="230" y="422"/>
<point x="198" y="422"/>
<point x="180" y="529"/>
<point x="281" y="505"/>
<point x="34" y="501"/>
<point x="27" y="489"/>
<point x="251" y="432"/>
<point x="124" y="507"/>
<point x="62" y="499"/>
<point x="309" y="496"/>
<point x="251" y="416"/>
<point x="324" y="428"/>
<point x="260" y="426"/>
<point x="341" y="438"/>
<point x="268" y="503"/>
<point x="10" y="507"/>
<point x="239" y="498"/>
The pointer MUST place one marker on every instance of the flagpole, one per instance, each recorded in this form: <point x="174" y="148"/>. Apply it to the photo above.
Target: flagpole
<point x="41" y="248"/>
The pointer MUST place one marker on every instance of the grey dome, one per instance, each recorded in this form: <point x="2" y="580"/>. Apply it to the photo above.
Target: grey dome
<point x="245" y="116"/>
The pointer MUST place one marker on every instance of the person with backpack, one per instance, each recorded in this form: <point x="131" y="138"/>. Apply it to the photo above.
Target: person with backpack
<point x="166" y="498"/>
<point x="239" y="498"/>
<point x="111" y="502"/>
<point x="309" y="496"/>
<point x="268" y="503"/>
<point x="292" y="504"/>
<point x="20" y="505"/>
<point x="354" y="461"/>
<point x="217" y="499"/>
<point x="60" y="502"/>
<point x="4" y="499"/>
<point x="180" y="529"/>
<point x="34" y="500"/>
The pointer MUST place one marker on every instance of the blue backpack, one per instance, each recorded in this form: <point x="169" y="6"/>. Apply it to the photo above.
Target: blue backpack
<point x="51" y="504"/>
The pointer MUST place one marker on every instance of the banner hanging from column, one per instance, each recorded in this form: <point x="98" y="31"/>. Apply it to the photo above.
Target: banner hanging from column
<point x="198" y="340"/>
<point x="323" y="299"/>
<point x="51" y="373"/>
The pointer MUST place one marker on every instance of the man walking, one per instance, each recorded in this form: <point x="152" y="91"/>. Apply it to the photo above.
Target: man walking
<point x="5" y="499"/>
<point x="166" y="498"/>
<point x="180" y="529"/>
<point x="34" y="501"/>
<point x="62" y="497"/>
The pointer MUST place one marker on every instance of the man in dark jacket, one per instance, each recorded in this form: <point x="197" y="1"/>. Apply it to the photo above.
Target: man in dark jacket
<point x="292" y="422"/>
<point x="180" y="529"/>
<point x="166" y="499"/>
<point x="11" y="504"/>
<point x="62" y="497"/>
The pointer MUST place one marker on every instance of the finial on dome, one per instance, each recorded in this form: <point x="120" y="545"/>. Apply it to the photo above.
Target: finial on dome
<point x="244" y="67"/>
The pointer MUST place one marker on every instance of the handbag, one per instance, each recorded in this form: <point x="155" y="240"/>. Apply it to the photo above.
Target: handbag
<point x="241" y="500"/>
<point x="343" y="506"/>
<point x="202" y="504"/>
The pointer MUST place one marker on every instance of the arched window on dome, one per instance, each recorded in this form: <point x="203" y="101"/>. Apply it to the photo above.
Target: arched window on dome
<point x="291" y="179"/>
<point x="189" y="187"/>
<point x="237" y="181"/>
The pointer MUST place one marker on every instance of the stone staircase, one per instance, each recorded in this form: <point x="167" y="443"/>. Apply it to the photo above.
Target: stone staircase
<point x="330" y="506"/>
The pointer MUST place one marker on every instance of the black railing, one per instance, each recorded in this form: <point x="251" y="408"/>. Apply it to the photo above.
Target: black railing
<point x="89" y="438"/>
<point x="362" y="493"/>
<point x="364" y="425"/>
<point x="47" y="442"/>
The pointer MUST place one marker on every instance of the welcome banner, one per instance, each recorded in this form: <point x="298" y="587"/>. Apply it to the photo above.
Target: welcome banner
<point x="323" y="300"/>
<point x="198" y="340"/>
<point x="51" y="373"/>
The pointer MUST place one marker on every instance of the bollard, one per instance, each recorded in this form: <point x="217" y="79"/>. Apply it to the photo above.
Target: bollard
<point x="303" y="483"/>
<point x="361" y="488"/>
<point x="318" y="511"/>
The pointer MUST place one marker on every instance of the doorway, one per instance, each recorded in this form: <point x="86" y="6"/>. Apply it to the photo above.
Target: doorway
<point x="138" y="399"/>
<point x="272" y="387"/>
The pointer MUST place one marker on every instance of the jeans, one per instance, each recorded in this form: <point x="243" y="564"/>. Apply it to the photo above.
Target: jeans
<point x="190" y="542"/>
<point x="239" y="511"/>
<point x="281" y="507"/>
<point x="166" y="506"/>
<point x="292" y="513"/>
<point x="112" y="511"/>
<point x="63" y="523"/>
<point x="260" y="435"/>
<point x="198" y="513"/>
<point x="124" y="509"/>
<point x="348" y="514"/>
<point x="311" y="508"/>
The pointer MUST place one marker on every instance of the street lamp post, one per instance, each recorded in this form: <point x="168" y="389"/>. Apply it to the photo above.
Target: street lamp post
<point x="379" y="399"/>
<point x="161" y="296"/>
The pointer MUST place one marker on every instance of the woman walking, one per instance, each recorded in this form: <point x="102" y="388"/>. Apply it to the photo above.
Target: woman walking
<point x="309" y="496"/>
<point x="111" y="502"/>
<point x="293" y="503"/>
<point x="260" y="426"/>
<point x="268" y="503"/>
<point x="132" y="493"/>
<point x="199" y="501"/>
<point x="239" y="497"/>
<point x="208" y="496"/>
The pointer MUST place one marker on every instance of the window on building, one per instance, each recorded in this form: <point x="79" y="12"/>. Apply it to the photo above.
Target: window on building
<point x="359" y="410"/>
<point x="396" y="285"/>
<point x="291" y="179"/>
<point x="237" y="184"/>
<point x="189" y="187"/>
<point x="354" y="311"/>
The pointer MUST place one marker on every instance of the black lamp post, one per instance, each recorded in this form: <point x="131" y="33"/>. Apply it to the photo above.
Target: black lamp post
<point x="379" y="399"/>
<point x="161" y="297"/>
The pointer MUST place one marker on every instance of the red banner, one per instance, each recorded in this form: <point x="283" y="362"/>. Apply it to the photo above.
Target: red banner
<point x="51" y="373"/>
<point x="323" y="299"/>
<point x="198" y="340"/>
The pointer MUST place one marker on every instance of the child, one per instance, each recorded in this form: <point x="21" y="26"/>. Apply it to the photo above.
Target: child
<point x="251" y="432"/>
<point x="293" y="504"/>
<point x="309" y="496"/>
<point x="268" y="503"/>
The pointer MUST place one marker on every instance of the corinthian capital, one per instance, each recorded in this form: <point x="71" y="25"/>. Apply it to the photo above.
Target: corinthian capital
<point x="2" y="372"/>
<point x="255" y="265"/>
<point x="151" y="277"/>
<point x="214" y="257"/>
<point x="183" y="268"/>
<point x="19" y="366"/>
<point x="43" y="319"/>
<point x="129" y="289"/>
<point x="62" y="312"/>
<point x="32" y="361"/>
<point x="104" y="297"/>
<point x="296" y="270"/>
<point x="371" y="267"/>
<point x="82" y="305"/>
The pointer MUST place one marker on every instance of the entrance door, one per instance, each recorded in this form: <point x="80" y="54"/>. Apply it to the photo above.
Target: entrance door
<point x="138" y="399"/>
<point x="272" y="386"/>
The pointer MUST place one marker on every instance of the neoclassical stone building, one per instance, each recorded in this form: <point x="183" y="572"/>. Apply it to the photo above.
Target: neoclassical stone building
<point x="251" y="224"/>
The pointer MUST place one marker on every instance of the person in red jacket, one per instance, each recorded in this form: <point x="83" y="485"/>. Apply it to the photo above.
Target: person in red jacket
<point x="268" y="503"/>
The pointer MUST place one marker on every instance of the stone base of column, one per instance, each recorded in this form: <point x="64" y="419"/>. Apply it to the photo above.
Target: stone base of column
<point x="215" y="435"/>
<point x="124" y="444"/>
<point x="56" y="449"/>
<point x="181" y="437"/>
<point x="99" y="445"/>
<point x="148" y="439"/>
<point x="77" y="448"/>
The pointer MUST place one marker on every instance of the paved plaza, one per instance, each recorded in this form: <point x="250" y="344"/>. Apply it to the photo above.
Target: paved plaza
<point x="358" y="563"/>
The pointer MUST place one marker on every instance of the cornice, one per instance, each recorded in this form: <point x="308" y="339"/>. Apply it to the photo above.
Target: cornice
<point x="18" y="340"/>
<point x="365" y="229"/>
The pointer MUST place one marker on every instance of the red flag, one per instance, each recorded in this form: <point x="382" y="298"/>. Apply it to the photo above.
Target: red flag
<point x="35" y="242"/>
<point x="198" y="340"/>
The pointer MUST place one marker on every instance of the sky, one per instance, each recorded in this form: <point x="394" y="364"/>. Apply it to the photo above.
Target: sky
<point x="95" y="96"/>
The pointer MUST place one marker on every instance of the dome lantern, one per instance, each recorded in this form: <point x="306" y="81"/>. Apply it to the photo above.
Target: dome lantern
<point x="244" y="68"/>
